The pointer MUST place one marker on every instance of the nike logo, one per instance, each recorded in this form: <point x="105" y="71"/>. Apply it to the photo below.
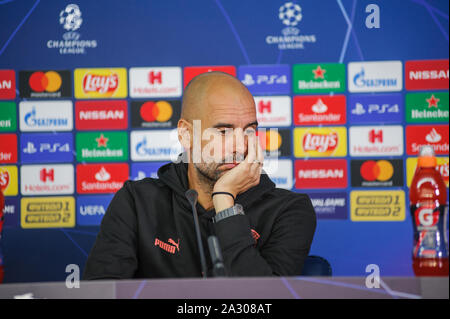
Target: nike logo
<point x="170" y="246"/>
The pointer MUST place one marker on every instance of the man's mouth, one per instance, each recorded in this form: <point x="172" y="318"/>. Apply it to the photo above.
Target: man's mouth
<point x="229" y="165"/>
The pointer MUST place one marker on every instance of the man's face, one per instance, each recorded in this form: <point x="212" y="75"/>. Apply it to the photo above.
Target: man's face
<point x="227" y="128"/>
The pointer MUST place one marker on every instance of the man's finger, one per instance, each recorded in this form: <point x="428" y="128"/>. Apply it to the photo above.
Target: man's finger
<point x="251" y="150"/>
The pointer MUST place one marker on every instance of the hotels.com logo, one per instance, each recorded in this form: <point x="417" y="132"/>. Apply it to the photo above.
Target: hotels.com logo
<point x="47" y="174"/>
<point x="155" y="82"/>
<point x="100" y="83"/>
<point x="155" y="77"/>
<point x="264" y="106"/>
<point x="273" y="111"/>
<point x="375" y="136"/>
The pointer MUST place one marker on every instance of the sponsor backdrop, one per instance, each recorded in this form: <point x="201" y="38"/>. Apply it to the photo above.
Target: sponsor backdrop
<point x="90" y="95"/>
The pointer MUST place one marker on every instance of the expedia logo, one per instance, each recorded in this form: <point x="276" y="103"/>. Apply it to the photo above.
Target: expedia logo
<point x="100" y="83"/>
<point x="377" y="205"/>
<point x="376" y="173"/>
<point x="155" y="114"/>
<point x="45" y="84"/>
<point x="320" y="142"/>
<point x="47" y="212"/>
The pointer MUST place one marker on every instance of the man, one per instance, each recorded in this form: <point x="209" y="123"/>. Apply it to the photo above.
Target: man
<point x="148" y="230"/>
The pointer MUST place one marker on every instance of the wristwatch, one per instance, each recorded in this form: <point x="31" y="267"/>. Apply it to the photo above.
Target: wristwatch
<point x="237" y="209"/>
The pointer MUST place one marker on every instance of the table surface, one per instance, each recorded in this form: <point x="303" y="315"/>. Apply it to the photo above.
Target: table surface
<point x="236" y="288"/>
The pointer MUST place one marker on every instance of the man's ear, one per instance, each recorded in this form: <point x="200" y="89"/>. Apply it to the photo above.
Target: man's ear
<point x="184" y="133"/>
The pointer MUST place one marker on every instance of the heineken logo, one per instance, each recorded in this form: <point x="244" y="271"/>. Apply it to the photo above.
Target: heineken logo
<point x="95" y="146"/>
<point x="427" y="107"/>
<point x="319" y="78"/>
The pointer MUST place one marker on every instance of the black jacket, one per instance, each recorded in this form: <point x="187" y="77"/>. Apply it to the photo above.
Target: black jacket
<point x="148" y="231"/>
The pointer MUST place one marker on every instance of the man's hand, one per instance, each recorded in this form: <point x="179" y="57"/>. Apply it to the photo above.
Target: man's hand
<point x="240" y="178"/>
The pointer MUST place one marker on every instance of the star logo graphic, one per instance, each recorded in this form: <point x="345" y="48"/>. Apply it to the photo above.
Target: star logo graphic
<point x="432" y="101"/>
<point x="101" y="141"/>
<point x="319" y="73"/>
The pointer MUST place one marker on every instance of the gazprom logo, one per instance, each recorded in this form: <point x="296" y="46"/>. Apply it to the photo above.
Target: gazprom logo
<point x="46" y="116"/>
<point x="376" y="76"/>
<point x="361" y="81"/>
<point x="143" y="149"/>
<point x="32" y="120"/>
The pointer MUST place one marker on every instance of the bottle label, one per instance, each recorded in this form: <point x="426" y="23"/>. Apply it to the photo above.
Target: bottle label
<point x="430" y="238"/>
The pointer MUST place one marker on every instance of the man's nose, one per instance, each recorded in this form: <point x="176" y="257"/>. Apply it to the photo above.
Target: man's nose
<point x="240" y="141"/>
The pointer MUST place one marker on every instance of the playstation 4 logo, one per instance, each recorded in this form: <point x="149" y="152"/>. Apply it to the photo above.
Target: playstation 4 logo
<point x="264" y="79"/>
<point x="30" y="148"/>
<point x="375" y="108"/>
<point x="36" y="148"/>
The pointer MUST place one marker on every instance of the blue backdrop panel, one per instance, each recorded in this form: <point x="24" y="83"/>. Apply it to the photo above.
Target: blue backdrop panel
<point x="181" y="33"/>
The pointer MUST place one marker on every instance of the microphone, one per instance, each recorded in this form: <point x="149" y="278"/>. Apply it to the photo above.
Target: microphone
<point x="216" y="256"/>
<point x="191" y="196"/>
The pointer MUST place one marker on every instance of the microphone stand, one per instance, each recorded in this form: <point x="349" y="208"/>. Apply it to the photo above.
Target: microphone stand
<point x="213" y="242"/>
<point x="192" y="195"/>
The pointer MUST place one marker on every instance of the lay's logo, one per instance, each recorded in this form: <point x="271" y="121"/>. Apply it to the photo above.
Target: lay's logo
<point x="100" y="83"/>
<point x="320" y="142"/>
<point x="323" y="143"/>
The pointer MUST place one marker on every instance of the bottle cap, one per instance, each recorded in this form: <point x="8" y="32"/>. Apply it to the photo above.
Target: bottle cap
<point x="427" y="157"/>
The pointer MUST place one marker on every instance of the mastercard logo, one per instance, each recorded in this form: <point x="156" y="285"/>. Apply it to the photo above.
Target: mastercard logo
<point x="377" y="170"/>
<point x="49" y="81"/>
<point x="160" y="111"/>
<point x="270" y="140"/>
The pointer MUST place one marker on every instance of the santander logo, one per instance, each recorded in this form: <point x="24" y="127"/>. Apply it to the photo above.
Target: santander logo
<point x="319" y="107"/>
<point x="320" y="142"/>
<point x="433" y="136"/>
<point x="100" y="83"/>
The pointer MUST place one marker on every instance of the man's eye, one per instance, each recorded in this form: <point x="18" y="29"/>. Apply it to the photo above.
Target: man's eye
<point x="250" y="131"/>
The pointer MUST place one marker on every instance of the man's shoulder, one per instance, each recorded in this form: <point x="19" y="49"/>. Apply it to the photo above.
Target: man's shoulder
<point x="146" y="185"/>
<point x="293" y="201"/>
<point x="288" y="194"/>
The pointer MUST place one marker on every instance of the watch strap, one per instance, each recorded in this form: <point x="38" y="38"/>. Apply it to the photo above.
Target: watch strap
<point x="237" y="209"/>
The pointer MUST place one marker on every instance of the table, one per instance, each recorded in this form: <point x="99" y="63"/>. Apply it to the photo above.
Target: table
<point x="236" y="288"/>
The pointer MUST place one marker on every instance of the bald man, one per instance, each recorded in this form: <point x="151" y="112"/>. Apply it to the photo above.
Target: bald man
<point x="148" y="229"/>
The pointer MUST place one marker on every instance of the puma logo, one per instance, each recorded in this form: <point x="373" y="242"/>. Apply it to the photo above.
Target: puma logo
<point x="255" y="236"/>
<point x="171" y="241"/>
<point x="170" y="246"/>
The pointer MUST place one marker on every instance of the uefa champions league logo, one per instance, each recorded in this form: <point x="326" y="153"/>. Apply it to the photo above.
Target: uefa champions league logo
<point x="290" y="14"/>
<point x="70" y="17"/>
